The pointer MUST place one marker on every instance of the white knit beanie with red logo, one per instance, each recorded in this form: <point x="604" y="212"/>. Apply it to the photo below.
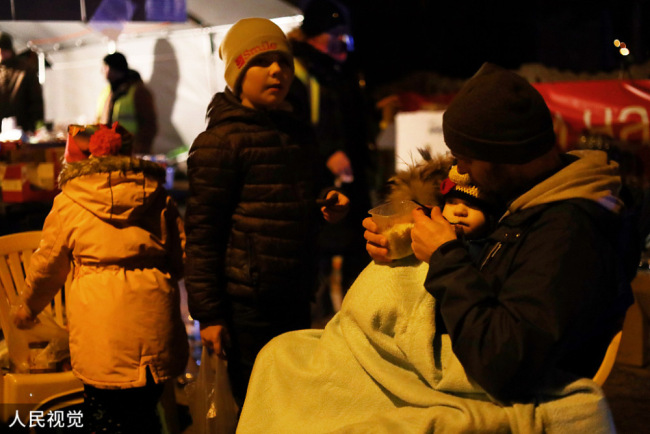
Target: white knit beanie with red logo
<point x="246" y="39"/>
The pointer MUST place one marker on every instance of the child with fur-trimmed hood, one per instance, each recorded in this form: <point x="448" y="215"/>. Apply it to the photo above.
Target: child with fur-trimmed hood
<point x="113" y="221"/>
<point x="436" y="182"/>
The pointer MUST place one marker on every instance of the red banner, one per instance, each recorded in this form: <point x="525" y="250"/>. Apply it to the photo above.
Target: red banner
<point x="590" y="113"/>
<point x="616" y="108"/>
<point x="611" y="115"/>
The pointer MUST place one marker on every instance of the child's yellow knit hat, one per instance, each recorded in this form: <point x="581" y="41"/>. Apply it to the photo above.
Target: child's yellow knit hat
<point x="460" y="185"/>
<point x="246" y="39"/>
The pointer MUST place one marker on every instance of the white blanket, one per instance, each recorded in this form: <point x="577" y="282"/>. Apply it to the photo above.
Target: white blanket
<point x="379" y="367"/>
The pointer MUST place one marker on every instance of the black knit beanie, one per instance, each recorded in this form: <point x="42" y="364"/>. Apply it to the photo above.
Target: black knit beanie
<point x="319" y="16"/>
<point x="498" y="117"/>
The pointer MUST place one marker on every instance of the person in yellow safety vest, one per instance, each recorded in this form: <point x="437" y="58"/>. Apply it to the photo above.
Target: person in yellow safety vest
<point x="127" y="100"/>
<point x="329" y="92"/>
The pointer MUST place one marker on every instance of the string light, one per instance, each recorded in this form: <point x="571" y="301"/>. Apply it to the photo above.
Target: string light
<point x="622" y="47"/>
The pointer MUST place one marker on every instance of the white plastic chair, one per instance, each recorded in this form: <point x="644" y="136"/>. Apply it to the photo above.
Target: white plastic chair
<point x="33" y="391"/>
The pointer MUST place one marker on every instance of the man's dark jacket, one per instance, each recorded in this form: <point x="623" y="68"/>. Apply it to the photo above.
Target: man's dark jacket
<point x="20" y="94"/>
<point x="549" y="293"/>
<point x="344" y="124"/>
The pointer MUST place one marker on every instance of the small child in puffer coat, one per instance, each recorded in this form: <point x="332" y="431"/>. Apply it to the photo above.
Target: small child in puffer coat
<point x="114" y="223"/>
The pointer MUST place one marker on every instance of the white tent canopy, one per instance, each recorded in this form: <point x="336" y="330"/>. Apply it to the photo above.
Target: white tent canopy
<point x="47" y="36"/>
<point x="178" y="61"/>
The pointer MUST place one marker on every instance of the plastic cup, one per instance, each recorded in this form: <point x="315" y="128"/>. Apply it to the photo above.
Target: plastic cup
<point x="394" y="221"/>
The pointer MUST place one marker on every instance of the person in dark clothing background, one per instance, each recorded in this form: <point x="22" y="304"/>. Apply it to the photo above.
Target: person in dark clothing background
<point x="128" y="101"/>
<point x="21" y="95"/>
<point x="552" y="287"/>
<point x="329" y="93"/>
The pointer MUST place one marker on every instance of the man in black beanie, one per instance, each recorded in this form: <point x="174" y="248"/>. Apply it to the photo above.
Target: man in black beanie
<point x="21" y="95"/>
<point x="127" y="100"/>
<point x="553" y="284"/>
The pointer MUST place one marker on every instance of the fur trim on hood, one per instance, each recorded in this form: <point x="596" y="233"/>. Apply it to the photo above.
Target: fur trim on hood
<point x="111" y="164"/>
<point x="421" y="181"/>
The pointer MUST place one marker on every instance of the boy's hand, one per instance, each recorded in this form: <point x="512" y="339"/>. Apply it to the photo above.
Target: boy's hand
<point x="339" y="164"/>
<point x="22" y="318"/>
<point x="216" y="338"/>
<point x="377" y="244"/>
<point x="430" y="233"/>
<point x="335" y="207"/>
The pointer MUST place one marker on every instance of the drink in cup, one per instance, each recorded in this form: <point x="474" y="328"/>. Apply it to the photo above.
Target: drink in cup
<point x="394" y="221"/>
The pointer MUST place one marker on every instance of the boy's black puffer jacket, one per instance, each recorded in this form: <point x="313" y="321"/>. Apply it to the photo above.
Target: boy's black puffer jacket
<point x="251" y="215"/>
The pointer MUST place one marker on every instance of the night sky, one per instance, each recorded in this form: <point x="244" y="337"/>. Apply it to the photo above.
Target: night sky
<point x="397" y="37"/>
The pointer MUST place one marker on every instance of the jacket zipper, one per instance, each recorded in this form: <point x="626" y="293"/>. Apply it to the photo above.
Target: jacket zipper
<point x="492" y="254"/>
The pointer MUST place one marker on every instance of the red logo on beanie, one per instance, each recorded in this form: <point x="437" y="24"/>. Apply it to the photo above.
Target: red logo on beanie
<point x="247" y="54"/>
<point x="240" y="61"/>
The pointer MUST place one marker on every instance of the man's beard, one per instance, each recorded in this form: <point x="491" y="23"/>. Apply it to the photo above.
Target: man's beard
<point x="500" y="184"/>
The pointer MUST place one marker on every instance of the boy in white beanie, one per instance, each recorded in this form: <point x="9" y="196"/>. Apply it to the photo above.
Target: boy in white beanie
<point x="252" y="214"/>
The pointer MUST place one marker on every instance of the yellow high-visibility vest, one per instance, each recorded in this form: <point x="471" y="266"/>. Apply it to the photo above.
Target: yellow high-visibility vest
<point x="123" y="110"/>
<point x="314" y="89"/>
